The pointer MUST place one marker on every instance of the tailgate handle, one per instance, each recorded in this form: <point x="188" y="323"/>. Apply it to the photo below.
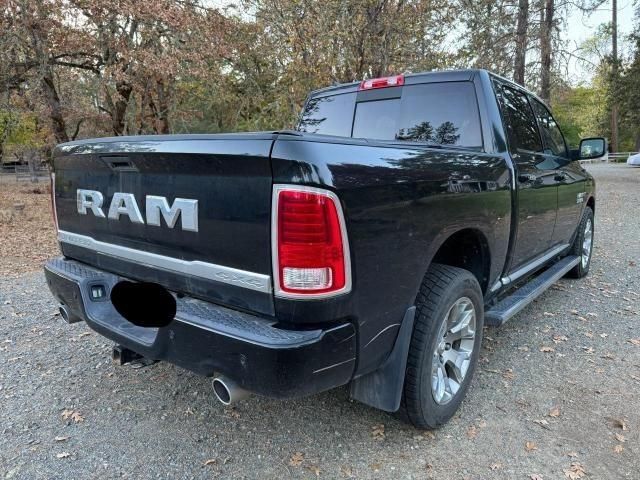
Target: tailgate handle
<point x="119" y="163"/>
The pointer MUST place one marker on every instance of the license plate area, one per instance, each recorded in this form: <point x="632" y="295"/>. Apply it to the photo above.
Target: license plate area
<point x="144" y="304"/>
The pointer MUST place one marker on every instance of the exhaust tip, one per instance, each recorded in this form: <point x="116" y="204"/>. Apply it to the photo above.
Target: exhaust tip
<point x="64" y="313"/>
<point x="227" y="391"/>
<point x="67" y="316"/>
<point x="221" y="391"/>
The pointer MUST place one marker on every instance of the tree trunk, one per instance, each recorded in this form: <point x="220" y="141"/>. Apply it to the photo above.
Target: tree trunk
<point x="162" y="125"/>
<point x="120" y="108"/>
<point x="521" y="42"/>
<point x="614" y="74"/>
<point x="546" y="31"/>
<point x="58" y="123"/>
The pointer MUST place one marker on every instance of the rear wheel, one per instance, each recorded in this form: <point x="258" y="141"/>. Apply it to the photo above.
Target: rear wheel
<point x="583" y="245"/>
<point x="444" y="346"/>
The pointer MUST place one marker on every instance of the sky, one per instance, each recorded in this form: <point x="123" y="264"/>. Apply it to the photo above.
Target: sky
<point x="580" y="27"/>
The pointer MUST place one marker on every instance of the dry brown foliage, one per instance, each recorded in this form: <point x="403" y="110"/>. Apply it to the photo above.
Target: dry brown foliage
<point x="27" y="234"/>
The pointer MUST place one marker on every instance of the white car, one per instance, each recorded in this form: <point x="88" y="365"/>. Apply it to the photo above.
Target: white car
<point x="634" y="160"/>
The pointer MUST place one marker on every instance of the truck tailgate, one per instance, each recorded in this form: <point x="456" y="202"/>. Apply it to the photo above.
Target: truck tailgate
<point x="228" y="258"/>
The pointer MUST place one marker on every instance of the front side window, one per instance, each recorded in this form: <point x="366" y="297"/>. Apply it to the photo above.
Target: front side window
<point x="520" y="121"/>
<point x="551" y="134"/>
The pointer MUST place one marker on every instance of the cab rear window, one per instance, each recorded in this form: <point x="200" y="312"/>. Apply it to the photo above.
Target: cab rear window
<point x="443" y="113"/>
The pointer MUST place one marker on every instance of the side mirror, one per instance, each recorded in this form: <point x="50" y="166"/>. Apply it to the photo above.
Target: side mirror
<point x="595" y="147"/>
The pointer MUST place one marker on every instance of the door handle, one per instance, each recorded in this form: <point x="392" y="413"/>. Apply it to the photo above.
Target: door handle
<point x="527" y="178"/>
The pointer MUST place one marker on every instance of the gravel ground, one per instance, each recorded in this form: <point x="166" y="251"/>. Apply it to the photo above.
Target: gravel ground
<point x="556" y="395"/>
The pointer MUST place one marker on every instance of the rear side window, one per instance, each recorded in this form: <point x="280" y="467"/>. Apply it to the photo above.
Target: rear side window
<point x="551" y="134"/>
<point x="520" y="121"/>
<point x="444" y="113"/>
<point x="332" y="115"/>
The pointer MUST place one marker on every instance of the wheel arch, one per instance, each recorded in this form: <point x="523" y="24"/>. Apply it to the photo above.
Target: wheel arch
<point x="466" y="248"/>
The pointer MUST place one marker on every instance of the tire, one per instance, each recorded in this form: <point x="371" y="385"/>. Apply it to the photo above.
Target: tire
<point x="442" y="289"/>
<point x="579" y="247"/>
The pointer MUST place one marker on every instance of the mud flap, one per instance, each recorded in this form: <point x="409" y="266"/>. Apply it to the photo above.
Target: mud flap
<point x="382" y="388"/>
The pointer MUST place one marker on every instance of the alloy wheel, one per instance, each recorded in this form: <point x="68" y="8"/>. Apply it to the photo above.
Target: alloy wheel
<point x="453" y="351"/>
<point x="586" y="243"/>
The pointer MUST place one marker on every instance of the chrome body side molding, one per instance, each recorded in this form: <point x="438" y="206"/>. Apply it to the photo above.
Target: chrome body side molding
<point x="196" y="268"/>
<point x="534" y="264"/>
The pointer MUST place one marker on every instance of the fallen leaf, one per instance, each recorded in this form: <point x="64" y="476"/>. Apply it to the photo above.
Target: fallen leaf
<point x="554" y="412"/>
<point x="530" y="446"/>
<point x="472" y="432"/>
<point x="495" y="466"/>
<point x="544" y="423"/>
<point x="61" y="439"/>
<point x="314" y="469"/>
<point x="73" y="415"/>
<point x="535" y="476"/>
<point x="621" y="424"/>
<point x="549" y="314"/>
<point x="575" y="471"/>
<point x="296" y="459"/>
<point x="63" y="455"/>
<point x="620" y="437"/>
<point x="211" y="461"/>
<point x="634" y="341"/>
<point x="508" y="374"/>
<point x="377" y="431"/>
<point x="346" y="471"/>
<point x="618" y="448"/>
<point x="547" y="349"/>
<point x="588" y="349"/>
<point x="572" y="454"/>
<point x="233" y="413"/>
<point x="376" y="467"/>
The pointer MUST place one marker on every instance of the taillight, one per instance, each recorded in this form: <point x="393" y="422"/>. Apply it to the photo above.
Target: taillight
<point x="383" y="82"/>
<point x="310" y="248"/>
<point x="54" y="212"/>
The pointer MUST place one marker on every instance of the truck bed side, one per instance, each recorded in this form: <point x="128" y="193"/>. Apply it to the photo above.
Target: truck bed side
<point x="400" y="204"/>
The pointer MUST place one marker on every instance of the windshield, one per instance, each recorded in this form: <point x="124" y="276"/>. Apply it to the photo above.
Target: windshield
<point x="440" y="113"/>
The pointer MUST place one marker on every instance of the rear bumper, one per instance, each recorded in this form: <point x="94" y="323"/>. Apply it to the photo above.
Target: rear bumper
<point x="207" y="338"/>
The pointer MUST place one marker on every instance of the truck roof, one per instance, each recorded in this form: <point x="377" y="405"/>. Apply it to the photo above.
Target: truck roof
<point x="424" y="77"/>
<point x="409" y="79"/>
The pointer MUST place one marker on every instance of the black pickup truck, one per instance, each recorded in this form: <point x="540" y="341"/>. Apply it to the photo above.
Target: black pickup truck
<point x="367" y="247"/>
